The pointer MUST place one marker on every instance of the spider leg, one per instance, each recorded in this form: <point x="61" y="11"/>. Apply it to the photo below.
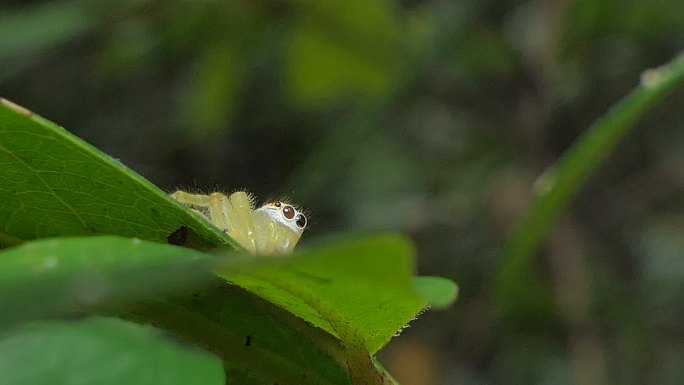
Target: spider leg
<point x="241" y="215"/>
<point x="210" y="206"/>
<point x="220" y="212"/>
<point x="198" y="200"/>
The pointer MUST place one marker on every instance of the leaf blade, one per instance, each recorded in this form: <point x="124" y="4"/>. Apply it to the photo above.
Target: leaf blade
<point x="102" y="351"/>
<point x="55" y="184"/>
<point x="362" y="286"/>
<point x="49" y="276"/>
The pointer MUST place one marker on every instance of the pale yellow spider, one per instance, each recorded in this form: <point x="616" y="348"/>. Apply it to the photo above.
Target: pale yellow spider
<point x="274" y="228"/>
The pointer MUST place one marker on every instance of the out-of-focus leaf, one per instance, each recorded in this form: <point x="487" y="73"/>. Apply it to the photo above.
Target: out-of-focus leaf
<point x="32" y="30"/>
<point x="53" y="183"/>
<point x="519" y="292"/>
<point x="217" y="80"/>
<point x="100" y="351"/>
<point x="48" y="276"/>
<point x="343" y="50"/>
<point x="439" y="292"/>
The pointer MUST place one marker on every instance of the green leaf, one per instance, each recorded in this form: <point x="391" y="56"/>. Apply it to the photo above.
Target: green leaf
<point x="53" y="183"/>
<point x="100" y="351"/>
<point x="168" y="286"/>
<point x="50" y="276"/>
<point x="361" y="286"/>
<point x="439" y="292"/>
<point x="171" y="287"/>
<point x="255" y="338"/>
<point x="517" y="287"/>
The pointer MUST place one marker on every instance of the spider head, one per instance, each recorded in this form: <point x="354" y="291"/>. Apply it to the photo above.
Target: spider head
<point x="285" y="214"/>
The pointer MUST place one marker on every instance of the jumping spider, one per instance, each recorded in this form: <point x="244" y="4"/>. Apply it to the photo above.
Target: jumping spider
<point x="274" y="228"/>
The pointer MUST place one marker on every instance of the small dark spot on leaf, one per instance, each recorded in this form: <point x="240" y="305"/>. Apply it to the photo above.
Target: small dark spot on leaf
<point x="248" y="341"/>
<point x="178" y="237"/>
<point x="155" y="212"/>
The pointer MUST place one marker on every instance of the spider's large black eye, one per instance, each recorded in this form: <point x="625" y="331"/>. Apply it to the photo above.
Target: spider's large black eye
<point x="301" y="221"/>
<point x="288" y="212"/>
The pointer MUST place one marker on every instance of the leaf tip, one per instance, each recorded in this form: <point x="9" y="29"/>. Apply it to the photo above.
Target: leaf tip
<point x="439" y="292"/>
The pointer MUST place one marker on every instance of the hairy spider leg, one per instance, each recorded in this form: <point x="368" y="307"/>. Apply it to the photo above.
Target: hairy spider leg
<point x="239" y="211"/>
<point x="197" y="202"/>
<point x="231" y="214"/>
<point x="207" y="205"/>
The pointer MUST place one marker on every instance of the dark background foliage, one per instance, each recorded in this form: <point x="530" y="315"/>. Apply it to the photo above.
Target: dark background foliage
<point x="432" y="118"/>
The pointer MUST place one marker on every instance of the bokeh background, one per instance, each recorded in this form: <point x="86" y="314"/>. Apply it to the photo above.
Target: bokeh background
<point x="432" y="118"/>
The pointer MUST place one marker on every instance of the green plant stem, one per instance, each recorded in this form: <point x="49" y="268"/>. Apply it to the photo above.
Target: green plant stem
<point x="554" y="189"/>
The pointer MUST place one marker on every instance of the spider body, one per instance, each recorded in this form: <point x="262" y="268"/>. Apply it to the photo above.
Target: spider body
<point x="274" y="228"/>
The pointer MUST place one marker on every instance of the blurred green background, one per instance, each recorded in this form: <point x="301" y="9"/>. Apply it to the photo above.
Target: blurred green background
<point x="432" y="118"/>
